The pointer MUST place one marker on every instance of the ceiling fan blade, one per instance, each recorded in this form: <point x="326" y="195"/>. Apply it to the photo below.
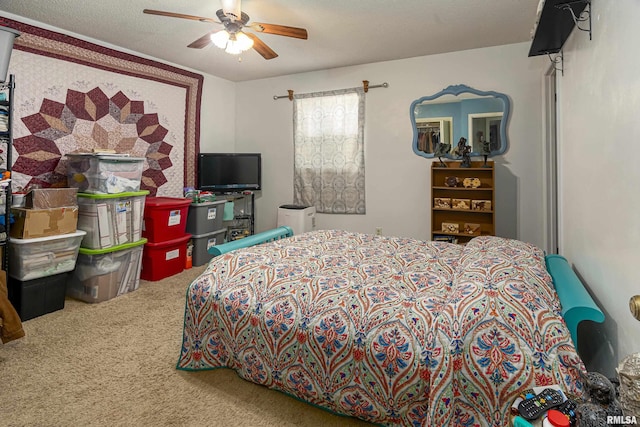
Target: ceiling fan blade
<point x="281" y="30"/>
<point x="179" y="15"/>
<point x="202" y="42"/>
<point x="260" y="47"/>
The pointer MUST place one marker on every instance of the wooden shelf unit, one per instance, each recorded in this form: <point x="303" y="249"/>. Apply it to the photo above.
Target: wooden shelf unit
<point x="486" y="192"/>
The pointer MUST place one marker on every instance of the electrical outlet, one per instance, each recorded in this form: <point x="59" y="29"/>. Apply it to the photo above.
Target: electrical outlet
<point x="378" y="231"/>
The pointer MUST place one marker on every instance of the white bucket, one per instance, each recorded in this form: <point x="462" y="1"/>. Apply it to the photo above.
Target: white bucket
<point x="6" y="46"/>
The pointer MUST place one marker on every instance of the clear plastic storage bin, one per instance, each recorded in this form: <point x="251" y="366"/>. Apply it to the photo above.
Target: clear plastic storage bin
<point x="110" y="219"/>
<point x="43" y="256"/>
<point x="103" y="274"/>
<point x="104" y="173"/>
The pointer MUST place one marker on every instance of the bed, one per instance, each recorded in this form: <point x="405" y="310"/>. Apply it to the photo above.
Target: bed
<point x="394" y="331"/>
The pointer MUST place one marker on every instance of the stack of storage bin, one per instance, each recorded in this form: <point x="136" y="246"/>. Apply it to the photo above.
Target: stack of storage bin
<point x="111" y="251"/>
<point x="43" y="249"/>
<point x="165" y="222"/>
<point x="110" y="256"/>
<point x="204" y="223"/>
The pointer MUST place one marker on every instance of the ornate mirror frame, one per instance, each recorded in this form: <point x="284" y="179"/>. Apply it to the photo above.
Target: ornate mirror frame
<point x="457" y="90"/>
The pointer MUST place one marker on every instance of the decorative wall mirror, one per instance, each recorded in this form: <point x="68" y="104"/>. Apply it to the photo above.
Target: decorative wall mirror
<point x="460" y="111"/>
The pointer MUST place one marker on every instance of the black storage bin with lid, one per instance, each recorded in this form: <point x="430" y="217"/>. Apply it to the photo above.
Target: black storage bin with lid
<point x="33" y="298"/>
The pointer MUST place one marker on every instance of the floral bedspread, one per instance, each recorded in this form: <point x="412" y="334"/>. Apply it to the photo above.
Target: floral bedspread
<point x="390" y="330"/>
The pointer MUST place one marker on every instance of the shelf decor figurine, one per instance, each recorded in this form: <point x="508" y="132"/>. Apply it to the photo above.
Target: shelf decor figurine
<point x="442" y="149"/>
<point x="451" y="181"/>
<point x="486" y="150"/>
<point x="463" y="151"/>
<point x="481" y="205"/>
<point x="450" y="227"/>
<point x="471" y="182"/>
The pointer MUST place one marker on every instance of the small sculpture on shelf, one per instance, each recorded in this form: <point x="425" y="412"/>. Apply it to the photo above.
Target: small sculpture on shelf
<point x="451" y="181"/>
<point x="463" y="150"/>
<point x="442" y="202"/>
<point x="485" y="146"/>
<point x="450" y="227"/>
<point x="461" y="204"/>
<point x="472" y="229"/>
<point x="442" y="149"/>
<point x="471" y="182"/>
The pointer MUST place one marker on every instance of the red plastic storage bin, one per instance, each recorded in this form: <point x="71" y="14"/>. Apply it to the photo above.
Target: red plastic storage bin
<point x="164" y="259"/>
<point x="165" y="218"/>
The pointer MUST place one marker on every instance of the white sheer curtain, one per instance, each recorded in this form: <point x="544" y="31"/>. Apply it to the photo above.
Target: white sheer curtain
<point x="328" y="134"/>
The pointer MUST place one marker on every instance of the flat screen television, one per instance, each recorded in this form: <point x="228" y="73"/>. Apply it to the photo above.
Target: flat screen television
<point x="229" y="172"/>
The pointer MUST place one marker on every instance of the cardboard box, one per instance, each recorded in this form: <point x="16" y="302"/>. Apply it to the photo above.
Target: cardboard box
<point x="32" y="223"/>
<point x="47" y="198"/>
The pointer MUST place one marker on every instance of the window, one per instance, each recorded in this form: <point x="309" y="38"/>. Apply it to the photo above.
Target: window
<point x="328" y="134"/>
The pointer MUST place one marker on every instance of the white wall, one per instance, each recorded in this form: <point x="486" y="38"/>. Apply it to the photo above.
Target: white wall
<point x="397" y="180"/>
<point x="217" y="115"/>
<point x="599" y="103"/>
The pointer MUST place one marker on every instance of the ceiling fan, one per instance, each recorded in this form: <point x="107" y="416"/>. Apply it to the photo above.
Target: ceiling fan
<point x="233" y="38"/>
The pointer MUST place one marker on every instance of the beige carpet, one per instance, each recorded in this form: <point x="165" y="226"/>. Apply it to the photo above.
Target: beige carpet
<point x="113" y="364"/>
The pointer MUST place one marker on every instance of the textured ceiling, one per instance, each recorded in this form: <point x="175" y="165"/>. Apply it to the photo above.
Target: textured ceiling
<point x="341" y="32"/>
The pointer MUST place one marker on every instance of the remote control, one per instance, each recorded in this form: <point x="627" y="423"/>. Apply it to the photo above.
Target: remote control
<point x="568" y="407"/>
<point x="532" y="408"/>
<point x="526" y="394"/>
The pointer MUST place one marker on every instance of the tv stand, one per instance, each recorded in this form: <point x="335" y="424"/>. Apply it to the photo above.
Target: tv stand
<point x="243" y="222"/>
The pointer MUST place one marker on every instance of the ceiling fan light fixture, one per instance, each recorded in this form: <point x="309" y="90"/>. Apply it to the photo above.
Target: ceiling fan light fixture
<point x="234" y="43"/>
<point x="235" y="47"/>
<point x="220" y="38"/>
<point x="243" y="41"/>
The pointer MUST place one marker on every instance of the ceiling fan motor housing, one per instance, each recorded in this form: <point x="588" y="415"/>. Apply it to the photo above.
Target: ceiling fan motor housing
<point x="232" y="26"/>
<point x="232" y="8"/>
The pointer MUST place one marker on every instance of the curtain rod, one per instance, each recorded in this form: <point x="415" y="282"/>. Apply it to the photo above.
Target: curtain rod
<point x="365" y="84"/>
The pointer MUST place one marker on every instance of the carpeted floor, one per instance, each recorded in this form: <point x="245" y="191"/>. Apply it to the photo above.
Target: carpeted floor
<point x="113" y="364"/>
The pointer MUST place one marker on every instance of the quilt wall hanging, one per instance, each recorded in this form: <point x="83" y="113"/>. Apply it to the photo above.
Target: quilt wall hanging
<point x="73" y="96"/>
